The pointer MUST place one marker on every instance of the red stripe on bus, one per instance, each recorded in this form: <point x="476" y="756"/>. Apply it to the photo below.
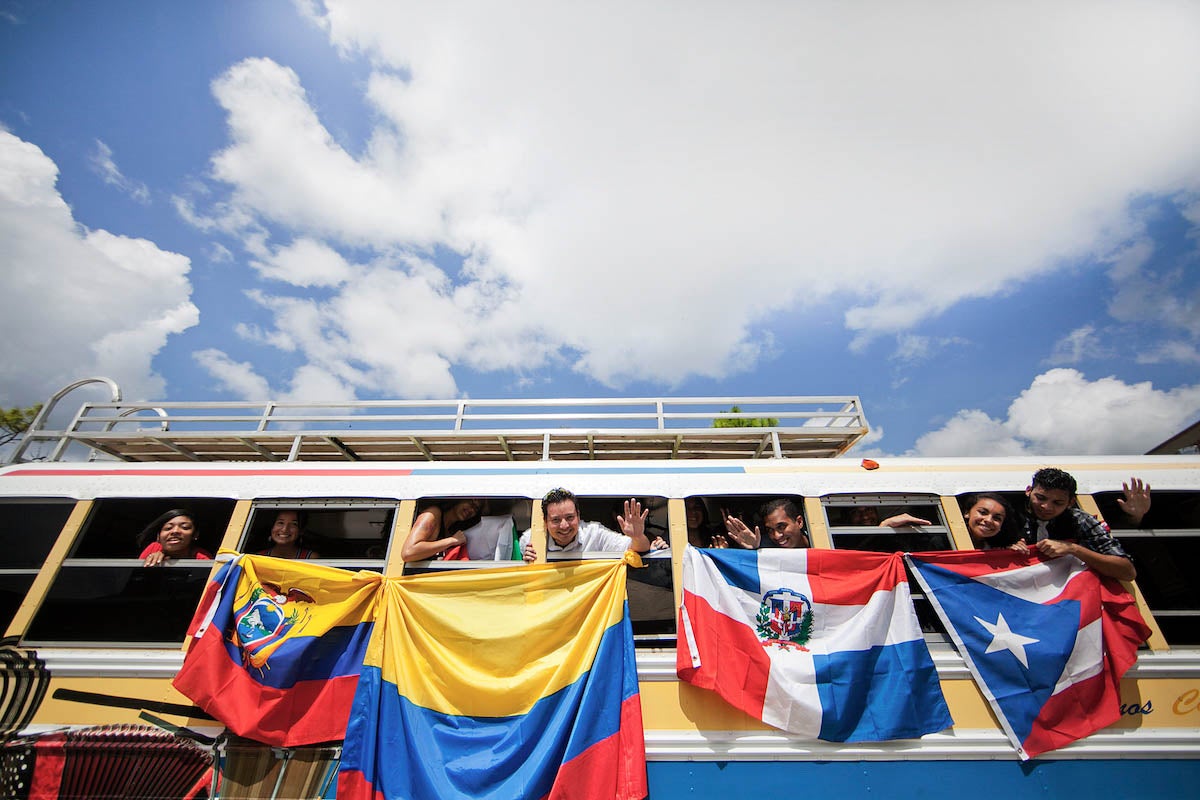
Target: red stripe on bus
<point x="210" y="472"/>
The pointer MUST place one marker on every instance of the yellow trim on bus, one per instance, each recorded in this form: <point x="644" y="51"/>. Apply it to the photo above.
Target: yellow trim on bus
<point x="58" y="554"/>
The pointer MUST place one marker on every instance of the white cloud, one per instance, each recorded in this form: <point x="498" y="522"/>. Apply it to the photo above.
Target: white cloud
<point x="236" y="377"/>
<point x="77" y="302"/>
<point x="305" y="262"/>
<point x="1175" y="350"/>
<point x="912" y="348"/>
<point x="657" y="181"/>
<point x="1081" y="343"/>
<point x="1062" y="412"/>
<point x="102" y="163"/>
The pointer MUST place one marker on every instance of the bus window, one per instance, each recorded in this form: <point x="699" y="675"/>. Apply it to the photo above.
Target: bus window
<point x="103" y="596"/>
<point x="649" y="588"/>
<point x="1165" y="551"/>
<point x="1011" y="530"/>
<point x="29" y="529"/>
<point x="854" y="523"/>
<point x="491" y="529"/>
<point x="351" y="534"/>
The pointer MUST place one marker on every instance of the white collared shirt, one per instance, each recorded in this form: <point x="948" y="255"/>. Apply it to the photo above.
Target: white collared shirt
<point x="592" y="537"/>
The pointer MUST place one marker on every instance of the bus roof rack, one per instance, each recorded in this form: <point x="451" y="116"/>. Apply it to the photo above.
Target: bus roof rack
<point x="451" y="430"/>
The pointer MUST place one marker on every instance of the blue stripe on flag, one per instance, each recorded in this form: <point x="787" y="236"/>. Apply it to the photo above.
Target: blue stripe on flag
<point x="739" y="568"/>
<point x="903" y="700"/>
<point x="427" y="754"/>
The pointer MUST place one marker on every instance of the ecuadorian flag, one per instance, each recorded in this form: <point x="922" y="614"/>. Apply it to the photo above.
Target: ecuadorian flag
<point x="499" y="683"/>
<point x="278" y="647"/>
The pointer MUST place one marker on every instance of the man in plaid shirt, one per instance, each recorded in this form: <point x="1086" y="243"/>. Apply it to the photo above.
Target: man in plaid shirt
<point x="1055" y="527"/>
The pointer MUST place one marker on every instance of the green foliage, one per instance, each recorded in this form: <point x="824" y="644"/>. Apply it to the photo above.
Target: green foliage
<point x="15" y="421"/>
<point x="754" y="422"/>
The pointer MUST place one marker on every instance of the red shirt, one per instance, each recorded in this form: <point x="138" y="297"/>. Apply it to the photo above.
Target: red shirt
<point x="155" y="547"/>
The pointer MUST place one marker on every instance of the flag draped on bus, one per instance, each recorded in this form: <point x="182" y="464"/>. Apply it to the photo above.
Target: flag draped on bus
<point x="499" y="683"/>
<point x="820" y="643"/>
<point x="278" y="648"/>
<point x="1047" y="641"/>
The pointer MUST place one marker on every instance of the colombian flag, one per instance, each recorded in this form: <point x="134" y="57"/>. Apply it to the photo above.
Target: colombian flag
<point x="278" y="647"/>
<point x="499" y="683"/>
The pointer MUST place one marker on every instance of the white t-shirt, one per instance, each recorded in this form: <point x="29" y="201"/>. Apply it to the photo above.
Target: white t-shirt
<point x="592" y="536"/>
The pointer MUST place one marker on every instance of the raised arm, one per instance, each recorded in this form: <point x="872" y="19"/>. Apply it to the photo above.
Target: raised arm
<point x="740" y="533"/>
<point x="902" y="520"/>
<point x="1136" y="501"/>
<point x="633" y="525"/>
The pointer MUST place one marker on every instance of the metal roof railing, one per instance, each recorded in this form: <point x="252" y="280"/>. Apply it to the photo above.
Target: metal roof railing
<point x="452" y="430"/>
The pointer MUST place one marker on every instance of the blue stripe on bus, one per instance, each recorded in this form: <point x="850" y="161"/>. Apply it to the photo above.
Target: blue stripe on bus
<point x="980" y="780"/>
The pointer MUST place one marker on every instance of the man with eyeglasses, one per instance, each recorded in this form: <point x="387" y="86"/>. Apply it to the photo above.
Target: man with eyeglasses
<point x="567" y="533"/>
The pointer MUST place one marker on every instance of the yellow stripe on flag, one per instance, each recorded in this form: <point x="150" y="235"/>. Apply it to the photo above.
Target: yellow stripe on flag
<point x="492" y="642"/>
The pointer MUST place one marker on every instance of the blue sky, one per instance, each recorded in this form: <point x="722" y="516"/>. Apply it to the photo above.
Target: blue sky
<point x="983" y="221"/>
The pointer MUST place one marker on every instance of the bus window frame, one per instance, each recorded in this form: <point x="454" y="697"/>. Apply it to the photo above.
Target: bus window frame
<point x="309" y="504"/>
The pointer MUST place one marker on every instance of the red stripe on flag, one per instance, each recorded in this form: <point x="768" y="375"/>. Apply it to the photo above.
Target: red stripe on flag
<point x="851" y="577"/>
<point x="308" y="712"/>
<point x="353" y="785"/>
<point x="733" y="662"/>
<point x="611" y="768"/>
<point x="1074" y="713"/>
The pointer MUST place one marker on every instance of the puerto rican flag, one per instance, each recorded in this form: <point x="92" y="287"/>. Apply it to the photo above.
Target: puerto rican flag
<point x="1046" y="640"/>
<point x="820" y="643"/>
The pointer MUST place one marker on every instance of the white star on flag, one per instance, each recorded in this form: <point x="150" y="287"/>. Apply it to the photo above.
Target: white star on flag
<point x="1003" y="638"/>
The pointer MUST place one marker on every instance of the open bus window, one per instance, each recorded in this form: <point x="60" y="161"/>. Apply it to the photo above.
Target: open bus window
<point x="1165" y="551"/>
<point x="113" y="527"/>
<point x="491" y="534"/>
<point x="103" y="596"/>
<point x="352" y="534"/>
<point x="28" y="529"/>
<point x="854" y="523"/>
<point x="650" y="589"/>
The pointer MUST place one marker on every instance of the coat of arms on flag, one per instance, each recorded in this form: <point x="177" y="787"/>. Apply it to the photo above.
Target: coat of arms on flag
<point x="819" y="643"/>
<point x="1047" y="641"/>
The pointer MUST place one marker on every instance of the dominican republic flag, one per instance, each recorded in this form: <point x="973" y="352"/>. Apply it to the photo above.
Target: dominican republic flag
<point x="821" y="643"/>
<point x="1047" y="640"/>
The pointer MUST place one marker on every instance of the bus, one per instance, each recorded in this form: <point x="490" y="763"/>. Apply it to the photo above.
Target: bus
<point x="93" y="639"/>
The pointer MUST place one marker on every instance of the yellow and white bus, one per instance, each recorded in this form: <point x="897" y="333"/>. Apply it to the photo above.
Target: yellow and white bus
<point x="93" y="638"/>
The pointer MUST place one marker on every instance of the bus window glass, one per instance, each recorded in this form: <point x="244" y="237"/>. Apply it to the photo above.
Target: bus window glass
<point x="351" y="534"/>
<point x="491" y="527"/>
<point x="649" y="588"/>
<point x="104" y="596"/>
<point x="107" y="603"/>
<point x="113" y="528"/>
<point x="878" y="523"/>
<point x="28" y="530"/>
<point x="881" y="523"/>
<point x="1164" y="549"/>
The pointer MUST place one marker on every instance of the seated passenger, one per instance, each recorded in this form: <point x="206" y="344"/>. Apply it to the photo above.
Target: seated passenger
<point x="990" y="521"/>
<point x="869" y="516"/>
<point x="701" y="532"/>
<point x="286" y="534"/>
<point x="170" y="535"/>
<point x="1056" y="528"/>
<point x="784" y="523"/>
<point x="565" y="532"/>
<point x="439" y="531"/>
